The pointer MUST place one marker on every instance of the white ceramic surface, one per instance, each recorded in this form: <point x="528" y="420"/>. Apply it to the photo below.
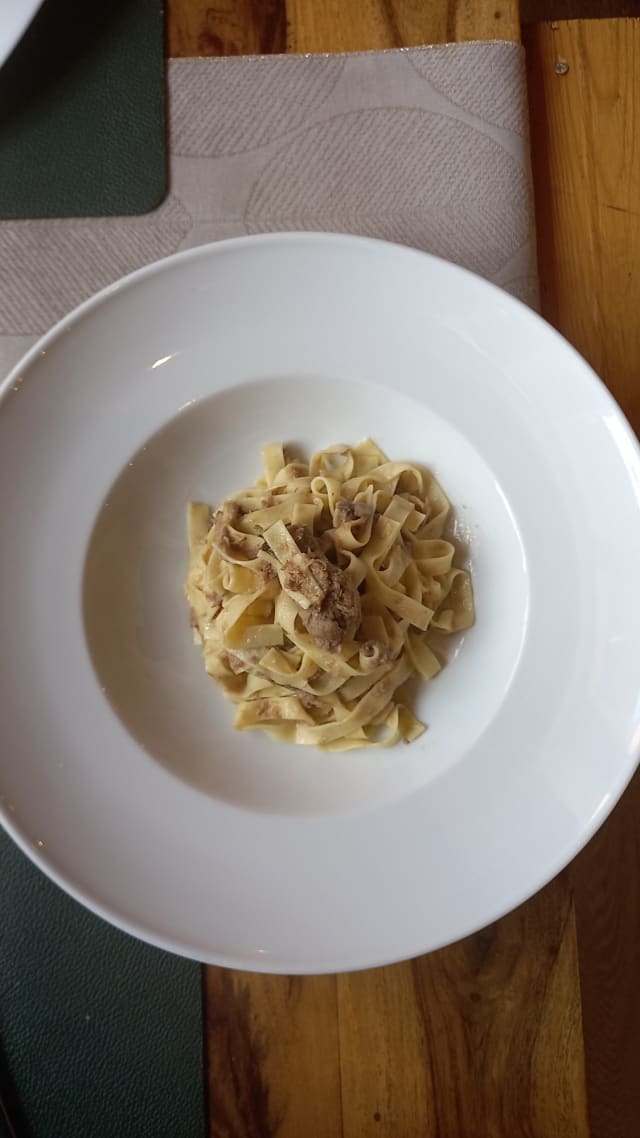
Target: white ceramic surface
<point x="15" y="17"/>
<point x="121" y="775"/>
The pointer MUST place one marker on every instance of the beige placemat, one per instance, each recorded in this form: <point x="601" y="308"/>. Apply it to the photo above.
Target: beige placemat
<point x="425" y="146"/>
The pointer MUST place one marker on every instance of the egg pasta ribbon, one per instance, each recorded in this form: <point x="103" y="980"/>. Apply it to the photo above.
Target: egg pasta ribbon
<point x="317" y="593"/>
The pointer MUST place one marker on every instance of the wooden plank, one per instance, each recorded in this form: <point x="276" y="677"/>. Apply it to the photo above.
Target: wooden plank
<point x="226" y="27"/>
<point x="367" y="24"/>
<point x="606" y="880"/>
<point x="244" y="27"/>
<point x="587" y="183"/>
<point x="272" y="1054"/>
<point x="585" y="126"/>
<point x="480" y="1038"/>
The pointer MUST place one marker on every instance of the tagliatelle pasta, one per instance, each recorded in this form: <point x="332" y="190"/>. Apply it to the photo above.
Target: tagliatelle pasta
<point x="315" y="594"/>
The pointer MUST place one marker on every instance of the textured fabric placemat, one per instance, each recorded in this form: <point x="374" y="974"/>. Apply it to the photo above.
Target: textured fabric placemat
<point x="100" y="1034"/>
<point x="82" y="123"/>
<point x="424" y="146"/>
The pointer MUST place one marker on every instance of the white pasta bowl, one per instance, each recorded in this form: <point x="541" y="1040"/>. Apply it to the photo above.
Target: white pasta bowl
<point x="122" y="776"/>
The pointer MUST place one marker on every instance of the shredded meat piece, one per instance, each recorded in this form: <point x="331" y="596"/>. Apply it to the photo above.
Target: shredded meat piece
<point x="225" y="519"/>
<point x="333" y="611"/>
<point x="214" y="599"/>
<point x="348" y="511"/>
<point x="266" y="569"/>
<point x="294" y="579"/>
<point x="337" y="617"/>
<point x="307" y="541"/>
<point x="308" y="700"/>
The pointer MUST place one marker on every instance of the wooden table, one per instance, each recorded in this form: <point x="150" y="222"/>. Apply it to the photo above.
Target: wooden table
<point x="532" y="1026"/>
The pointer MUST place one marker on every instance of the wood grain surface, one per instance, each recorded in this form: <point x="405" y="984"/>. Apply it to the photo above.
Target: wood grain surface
<point x="273" y="1053"/>
<point x="586" y="152"/>
<point x="487" y="1037"/>
<point x="587" y="164"/>
<point x="246" y="27"/>
<point x="482" y="1038"/>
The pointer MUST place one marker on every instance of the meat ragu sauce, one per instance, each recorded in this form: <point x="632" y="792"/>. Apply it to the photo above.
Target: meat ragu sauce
<point x="315" y="591"/>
